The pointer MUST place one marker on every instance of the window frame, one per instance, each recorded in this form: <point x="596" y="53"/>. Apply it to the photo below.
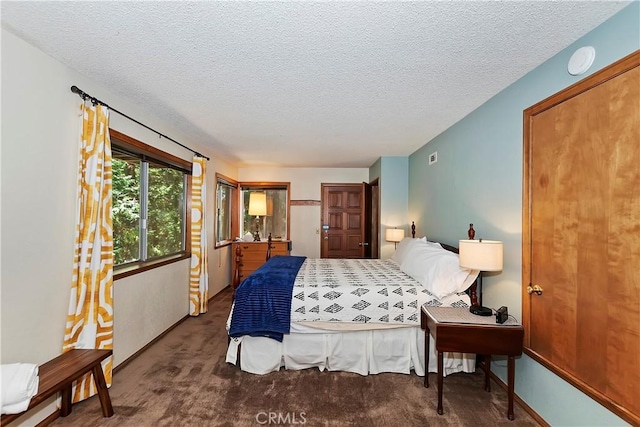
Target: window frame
<point x="250" y="185"/>
<point x="126" y="143"/>
<point x="233" y="215"/>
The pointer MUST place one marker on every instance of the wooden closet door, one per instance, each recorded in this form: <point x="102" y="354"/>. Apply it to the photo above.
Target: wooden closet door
<point x="582" y="235"/>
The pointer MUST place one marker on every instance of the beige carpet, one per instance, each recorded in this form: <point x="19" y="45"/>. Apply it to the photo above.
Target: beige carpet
<point x="183" y="380"/>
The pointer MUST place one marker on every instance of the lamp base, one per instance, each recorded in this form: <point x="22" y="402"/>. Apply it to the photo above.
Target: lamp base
<point x="256" y="235"/>
<point x="480" y="311"/>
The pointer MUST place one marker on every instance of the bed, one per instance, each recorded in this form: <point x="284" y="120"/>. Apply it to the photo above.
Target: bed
<point x="354" y="315"/>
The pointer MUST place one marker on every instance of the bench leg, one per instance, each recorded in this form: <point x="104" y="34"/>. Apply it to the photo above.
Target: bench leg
<point x="103" y="391"/>
<point x="65" y="404"/>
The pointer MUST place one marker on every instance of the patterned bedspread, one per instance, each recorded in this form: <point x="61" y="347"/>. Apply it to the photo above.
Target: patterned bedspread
<point x="360" y="291"/>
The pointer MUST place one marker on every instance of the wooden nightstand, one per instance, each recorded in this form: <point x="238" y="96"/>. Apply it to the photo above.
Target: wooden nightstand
<point x="455" y="329"/>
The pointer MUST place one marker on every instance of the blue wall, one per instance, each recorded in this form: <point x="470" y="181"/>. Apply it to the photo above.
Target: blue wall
<point x="478" y="179"/>
<point x="394" y="193"/>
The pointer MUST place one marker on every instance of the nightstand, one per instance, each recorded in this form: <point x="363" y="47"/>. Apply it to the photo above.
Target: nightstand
<point x="455" y="329"/>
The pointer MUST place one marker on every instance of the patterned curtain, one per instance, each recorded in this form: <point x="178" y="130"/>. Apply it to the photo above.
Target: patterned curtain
<point x="90" y="318"/>
<point x="198" y="277"/>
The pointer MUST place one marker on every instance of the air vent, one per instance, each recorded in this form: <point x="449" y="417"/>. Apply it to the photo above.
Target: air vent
<point x="433" y="157"/>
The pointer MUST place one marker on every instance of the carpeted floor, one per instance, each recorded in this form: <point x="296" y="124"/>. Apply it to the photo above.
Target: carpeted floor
<point x="183" y="380"/>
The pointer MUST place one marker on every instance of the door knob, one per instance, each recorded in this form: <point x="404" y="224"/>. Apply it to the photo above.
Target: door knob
<point x="535" y="288"/>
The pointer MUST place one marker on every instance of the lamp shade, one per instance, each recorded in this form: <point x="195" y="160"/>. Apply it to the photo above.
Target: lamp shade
<point x="483" y="255"/>
<point x="257" y="204"/>
<point x="394" y="234"/>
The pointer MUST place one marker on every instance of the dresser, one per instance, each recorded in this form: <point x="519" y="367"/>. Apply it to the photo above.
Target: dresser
<point x="249" y="256"/>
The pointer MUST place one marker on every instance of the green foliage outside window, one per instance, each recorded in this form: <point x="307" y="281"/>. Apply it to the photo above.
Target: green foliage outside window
<point x="166" y="191"/>
<point x="126" y="210"/>
<point x="165" y="215"/>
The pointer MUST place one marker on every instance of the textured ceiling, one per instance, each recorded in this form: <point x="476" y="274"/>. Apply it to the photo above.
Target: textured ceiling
<point x="306" y="84"/>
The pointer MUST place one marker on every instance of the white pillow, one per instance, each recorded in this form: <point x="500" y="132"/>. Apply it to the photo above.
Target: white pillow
<point x="404" y="247"/>
<point x="437" y="269"/>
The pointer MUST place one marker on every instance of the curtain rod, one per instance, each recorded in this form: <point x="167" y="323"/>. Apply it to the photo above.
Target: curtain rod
<point x="85" y="96"/>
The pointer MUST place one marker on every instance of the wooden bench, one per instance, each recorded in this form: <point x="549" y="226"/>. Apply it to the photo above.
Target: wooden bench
<point x="58" y="375"/>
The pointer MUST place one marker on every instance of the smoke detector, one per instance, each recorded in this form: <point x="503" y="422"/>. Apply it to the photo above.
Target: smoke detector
<point x="581" y="60"/>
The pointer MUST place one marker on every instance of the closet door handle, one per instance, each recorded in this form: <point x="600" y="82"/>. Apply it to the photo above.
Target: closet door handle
<point x="534" y="289"/>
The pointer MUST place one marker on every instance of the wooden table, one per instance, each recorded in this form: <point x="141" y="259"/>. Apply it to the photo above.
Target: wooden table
<point x="452" y="331"/>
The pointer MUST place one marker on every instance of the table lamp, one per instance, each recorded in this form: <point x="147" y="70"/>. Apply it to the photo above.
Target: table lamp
<point x="257" y="208"/>
<point x="483" y="255"/>
<point x="394" y="235"/>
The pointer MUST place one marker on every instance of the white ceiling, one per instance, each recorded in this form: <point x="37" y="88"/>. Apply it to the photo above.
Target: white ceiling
<point x="305" y="84"/>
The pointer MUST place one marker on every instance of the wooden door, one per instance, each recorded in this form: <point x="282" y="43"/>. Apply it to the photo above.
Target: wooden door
<point x="343" y="221"/>
<point x="581" y="236"/>
<point x="368" y="219"/>
<point x="374" y="208"/>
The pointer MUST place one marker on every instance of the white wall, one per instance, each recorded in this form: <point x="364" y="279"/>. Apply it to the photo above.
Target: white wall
<point x="40" y="129"/>
<point x="305" y="185"/>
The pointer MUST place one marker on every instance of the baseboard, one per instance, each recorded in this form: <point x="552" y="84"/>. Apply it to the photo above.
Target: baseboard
<point x="518" y="400"/>
<point x="51" y="418"/>
<point x="222" y="291"/>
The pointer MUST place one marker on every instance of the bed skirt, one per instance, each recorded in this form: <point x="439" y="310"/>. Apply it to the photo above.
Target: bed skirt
<point x="397" y="350"/>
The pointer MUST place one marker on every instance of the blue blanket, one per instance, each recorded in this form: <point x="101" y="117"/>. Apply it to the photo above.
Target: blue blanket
<point x="262" y="306"/>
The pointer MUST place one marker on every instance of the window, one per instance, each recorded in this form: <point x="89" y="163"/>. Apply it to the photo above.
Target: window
<point x="150" y="220"/>
<point x="276" y="218"/>
<point x="166" y="211"/>
<point x="226" y="210"/>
